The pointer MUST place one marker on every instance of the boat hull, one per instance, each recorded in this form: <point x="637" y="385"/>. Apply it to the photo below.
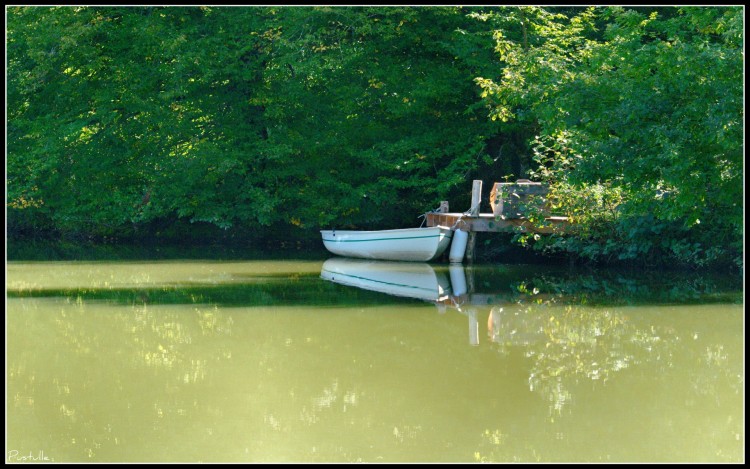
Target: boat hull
<point x="410" y="244"/>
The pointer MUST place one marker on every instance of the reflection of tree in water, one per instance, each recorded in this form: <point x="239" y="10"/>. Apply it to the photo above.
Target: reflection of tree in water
<point x="573" y="350"/>
<point x="722" y="371"/>
<point x="579" y="341"/>
<point x="153" y="349"/>
<point x="570" y="343"/>
<point x="165" y="339"/>
<point x="617" y="288"/>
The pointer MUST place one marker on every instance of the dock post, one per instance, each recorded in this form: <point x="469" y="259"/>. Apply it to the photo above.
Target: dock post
<point x="476" y="199"/>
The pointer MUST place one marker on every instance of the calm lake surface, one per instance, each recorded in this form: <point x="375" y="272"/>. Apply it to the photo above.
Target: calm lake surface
<point x="313" y="361"/>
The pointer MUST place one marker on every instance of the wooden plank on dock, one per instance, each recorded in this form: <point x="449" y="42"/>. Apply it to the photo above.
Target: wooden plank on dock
<point x="488" y="222"/>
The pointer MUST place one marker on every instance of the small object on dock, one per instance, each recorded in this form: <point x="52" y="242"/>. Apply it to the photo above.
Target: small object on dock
<point x="509" y="199"/>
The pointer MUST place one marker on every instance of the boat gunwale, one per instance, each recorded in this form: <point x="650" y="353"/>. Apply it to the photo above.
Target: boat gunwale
<point x="357" y="233"/>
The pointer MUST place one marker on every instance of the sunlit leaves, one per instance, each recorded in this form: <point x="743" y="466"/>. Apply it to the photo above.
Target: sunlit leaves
<point x="656" y="102"/>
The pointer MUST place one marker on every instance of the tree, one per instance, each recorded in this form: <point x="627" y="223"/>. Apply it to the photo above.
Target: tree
<point x="240" y="117"/>
<point x="650" y="114"/>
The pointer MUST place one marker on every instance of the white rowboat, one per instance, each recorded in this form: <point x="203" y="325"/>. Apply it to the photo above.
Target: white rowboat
<point x="409" y="244"/>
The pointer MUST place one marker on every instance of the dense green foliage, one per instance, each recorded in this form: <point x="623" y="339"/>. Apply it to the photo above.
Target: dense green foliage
<point x="249" y="116"/>
<point x="261" y="120"/>
<point x="639" y="126"/>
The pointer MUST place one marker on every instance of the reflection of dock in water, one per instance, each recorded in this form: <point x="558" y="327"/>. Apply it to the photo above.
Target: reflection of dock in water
<point x="510" y="302"/>
<point x="417" y="280"/>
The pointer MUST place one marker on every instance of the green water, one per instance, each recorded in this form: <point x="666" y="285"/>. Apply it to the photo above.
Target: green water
<point x="266" y="361"/>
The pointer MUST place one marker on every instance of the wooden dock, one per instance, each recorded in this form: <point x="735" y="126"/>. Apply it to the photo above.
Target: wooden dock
<point x="472" y="221"/>
<point x="488" y="222"/>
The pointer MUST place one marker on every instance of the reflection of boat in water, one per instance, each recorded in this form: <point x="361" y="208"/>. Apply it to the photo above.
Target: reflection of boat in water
<point x="415" y="280"/>
<point x="406" y="279"/>
<point x="411" y="279"/>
